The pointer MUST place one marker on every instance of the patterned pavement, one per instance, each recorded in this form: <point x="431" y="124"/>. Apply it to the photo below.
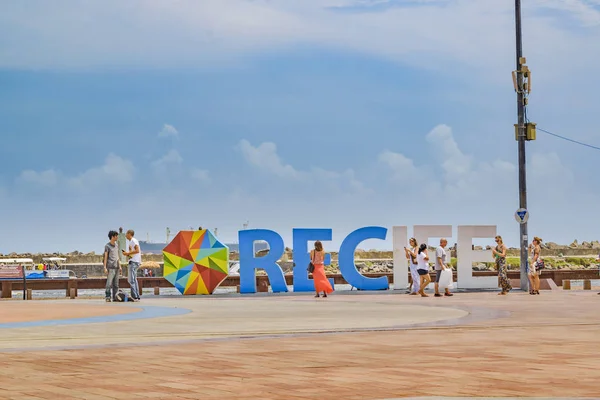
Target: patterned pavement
<point x="361" y="346"/>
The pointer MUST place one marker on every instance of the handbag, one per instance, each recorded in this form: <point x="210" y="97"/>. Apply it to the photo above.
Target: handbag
<point x="311" y="266"/>
<point x="539" y="264"/>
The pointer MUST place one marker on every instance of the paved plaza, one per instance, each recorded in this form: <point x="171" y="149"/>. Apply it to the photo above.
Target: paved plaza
<point x="360" y="345"/>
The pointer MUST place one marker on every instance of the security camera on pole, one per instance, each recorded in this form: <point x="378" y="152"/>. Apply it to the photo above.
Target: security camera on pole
<point x="524" y="131"/>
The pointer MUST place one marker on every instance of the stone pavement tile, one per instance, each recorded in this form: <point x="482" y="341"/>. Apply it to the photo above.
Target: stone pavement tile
<point x="541" y="350"/>
<point x="37" y="396"/>
<point x="35" y="311"/>
<point x="87" y="395"/>
<point x="177" y="385"/>
<point x="11" y="394"/>
<point x="25" y="396"/>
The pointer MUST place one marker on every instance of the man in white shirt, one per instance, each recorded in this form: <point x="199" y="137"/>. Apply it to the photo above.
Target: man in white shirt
<point x="135" y="260"/>
<point x="440" y="265"/>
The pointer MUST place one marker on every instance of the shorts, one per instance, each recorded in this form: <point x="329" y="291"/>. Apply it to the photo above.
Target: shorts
<point x="438" y="274"/>
<point x="422" y="272"/>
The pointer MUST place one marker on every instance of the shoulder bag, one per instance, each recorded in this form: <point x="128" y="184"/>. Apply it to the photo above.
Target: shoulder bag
<point x="311" y="266"/>
<point x="539" y="264"/>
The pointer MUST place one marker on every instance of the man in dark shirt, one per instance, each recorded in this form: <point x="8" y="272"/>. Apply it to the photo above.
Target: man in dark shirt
<point x="112" y="267"/>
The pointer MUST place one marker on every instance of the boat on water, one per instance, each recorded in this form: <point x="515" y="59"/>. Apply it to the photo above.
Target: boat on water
<point x="151" y="247"/>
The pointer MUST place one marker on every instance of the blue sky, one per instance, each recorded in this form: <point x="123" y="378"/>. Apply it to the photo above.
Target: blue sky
<point x="331" y="113"/>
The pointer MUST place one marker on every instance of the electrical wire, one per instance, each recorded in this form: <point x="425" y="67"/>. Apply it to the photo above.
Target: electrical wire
<point x="569" y="140"/>
<point x="562" y="137"/>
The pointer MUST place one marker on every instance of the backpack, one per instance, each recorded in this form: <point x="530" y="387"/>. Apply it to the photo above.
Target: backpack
<point x="121" y="297"/>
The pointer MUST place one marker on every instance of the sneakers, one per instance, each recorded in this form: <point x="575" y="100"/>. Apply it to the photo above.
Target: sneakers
<point x="448" y="294"/>
<point x="108" y="299"/>
<point x="437" y="295"/>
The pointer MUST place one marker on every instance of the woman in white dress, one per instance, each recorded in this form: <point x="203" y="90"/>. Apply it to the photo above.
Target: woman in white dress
<point x="411" y="255"/>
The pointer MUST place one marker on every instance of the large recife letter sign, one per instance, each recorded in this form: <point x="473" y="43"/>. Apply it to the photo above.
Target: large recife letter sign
<point x="400" y="241"/>
<point x="422" y="233"/>
<point x="301" y="236"/>
<point x="466" y="256"/>
<point x="249" y="263"/>
<point x="346" y="259"/>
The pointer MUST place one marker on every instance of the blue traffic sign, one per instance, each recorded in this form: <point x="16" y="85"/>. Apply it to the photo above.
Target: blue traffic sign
<point x="522" y="215"/>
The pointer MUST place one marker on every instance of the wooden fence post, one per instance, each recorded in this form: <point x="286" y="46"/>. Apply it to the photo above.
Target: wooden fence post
<point x="587" y="284"/>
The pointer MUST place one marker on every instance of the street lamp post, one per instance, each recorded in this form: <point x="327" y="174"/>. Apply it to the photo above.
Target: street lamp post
<point x="521" y="103"/>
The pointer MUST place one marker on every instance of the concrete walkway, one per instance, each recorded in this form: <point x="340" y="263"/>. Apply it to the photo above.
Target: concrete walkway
<point x="363" y="346"/>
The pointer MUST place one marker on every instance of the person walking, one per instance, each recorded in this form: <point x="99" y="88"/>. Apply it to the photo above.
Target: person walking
<point x="112" y="266"/>
<point x="135" y="260"/>
<point x="598" y="259"/>
<point x="534" y="270"/>
<point x="317" y="257"/>
<point x="500" y="254"/>
<point x="411" y="255"/>
<point x="441" y="265"/>
<point x="423" y="269"/>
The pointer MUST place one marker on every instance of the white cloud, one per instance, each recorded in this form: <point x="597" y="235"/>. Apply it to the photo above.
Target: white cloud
<point x="450" y="184"/>
<point x="548" y="167"/>
<point x="548" y="177"/>
<point x="483" y="192"/>
<point x="470" y="189"/>
<point x="446" y="150"/>
<point x="172" y="157"/>
<point x="431" y="34"/>
<point x="401" y="167"/>
<point x="47" y="178"/>
<point x="168" y="131"/>
<point x="200" y="175"/>
<point x="265" y="157"/>
<point x="344" y="182"/>
<point x="115" y="170"/>
<point x="462" y="178"/>
<point x="587" y="12"/>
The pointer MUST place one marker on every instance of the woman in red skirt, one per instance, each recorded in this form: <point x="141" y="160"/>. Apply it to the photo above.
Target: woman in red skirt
<point x="317" y="256"/>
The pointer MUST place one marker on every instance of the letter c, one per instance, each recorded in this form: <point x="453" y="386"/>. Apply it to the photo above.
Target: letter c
<point x="346" y="259"/>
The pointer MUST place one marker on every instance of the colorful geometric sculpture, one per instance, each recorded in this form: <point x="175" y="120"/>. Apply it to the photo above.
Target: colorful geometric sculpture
<point x="196" y="262"/>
